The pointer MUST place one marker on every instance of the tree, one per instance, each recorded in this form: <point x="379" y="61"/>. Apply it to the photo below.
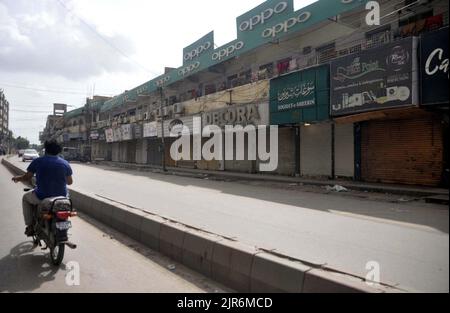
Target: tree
<point x="21" y="143"/>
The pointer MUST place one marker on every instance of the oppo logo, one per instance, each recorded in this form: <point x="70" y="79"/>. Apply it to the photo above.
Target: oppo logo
<point x="224" y="53"/>
<point x="188" y="69"/>
<point x="198" y="51"/>
<point x="286" y="25"/>
<point x="162" y="81"/>
<point x="263" y="17"/>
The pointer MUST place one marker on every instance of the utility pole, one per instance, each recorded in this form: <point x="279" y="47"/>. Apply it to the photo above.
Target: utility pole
<point x="161" y="95"/>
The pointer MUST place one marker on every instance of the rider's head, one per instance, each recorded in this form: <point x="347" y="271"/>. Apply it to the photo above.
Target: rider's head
<point x="52" y="147"/>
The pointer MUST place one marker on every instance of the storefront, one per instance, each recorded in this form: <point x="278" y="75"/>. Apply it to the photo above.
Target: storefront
<point x="245" y="120"/>
<point x="377" y="92"/>
<point x="153" y="144"/>
<point x="99" y="146"/>
<point x="299" y="105"/>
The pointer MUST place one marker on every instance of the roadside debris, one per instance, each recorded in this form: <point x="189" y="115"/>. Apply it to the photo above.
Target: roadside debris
<point x="337" y="188"/>
<point x="171" y="267"/>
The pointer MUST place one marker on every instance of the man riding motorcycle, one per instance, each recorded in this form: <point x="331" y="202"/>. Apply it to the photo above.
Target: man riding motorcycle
<point x="53" y="174"/>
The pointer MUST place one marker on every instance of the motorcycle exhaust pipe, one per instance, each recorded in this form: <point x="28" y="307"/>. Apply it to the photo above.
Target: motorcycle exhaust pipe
<point x="71" y="245"/>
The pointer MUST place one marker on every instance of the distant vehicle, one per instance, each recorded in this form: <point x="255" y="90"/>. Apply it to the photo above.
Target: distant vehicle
<point x="21" y="152"/>
<point x="30" y="155"/>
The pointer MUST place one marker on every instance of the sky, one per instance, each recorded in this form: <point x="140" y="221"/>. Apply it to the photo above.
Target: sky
<point x="62" y="51"/>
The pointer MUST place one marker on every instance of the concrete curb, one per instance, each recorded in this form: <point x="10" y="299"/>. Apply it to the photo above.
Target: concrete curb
<point x="238" y="266"/>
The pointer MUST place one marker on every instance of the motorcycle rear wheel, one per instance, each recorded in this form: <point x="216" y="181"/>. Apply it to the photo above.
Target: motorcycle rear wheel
<point x="57" y="254"/>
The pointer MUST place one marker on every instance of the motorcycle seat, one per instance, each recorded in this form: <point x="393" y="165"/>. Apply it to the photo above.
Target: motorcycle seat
<point x="58" y="203"/>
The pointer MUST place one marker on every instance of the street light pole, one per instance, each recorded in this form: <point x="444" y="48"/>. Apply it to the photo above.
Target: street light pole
<point x="163" y="142"/>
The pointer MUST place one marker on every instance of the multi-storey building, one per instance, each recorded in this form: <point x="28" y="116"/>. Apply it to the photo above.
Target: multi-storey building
<point x="5" y="133"/>
<point x="350" y="100"/>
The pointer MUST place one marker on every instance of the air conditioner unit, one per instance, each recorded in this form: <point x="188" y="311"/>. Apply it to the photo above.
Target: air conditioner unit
<point x="178" y="108"/>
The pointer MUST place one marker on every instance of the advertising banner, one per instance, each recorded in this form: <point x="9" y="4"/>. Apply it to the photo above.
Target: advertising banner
<point x="434" y="67"/>
<point x="375" y="79"/>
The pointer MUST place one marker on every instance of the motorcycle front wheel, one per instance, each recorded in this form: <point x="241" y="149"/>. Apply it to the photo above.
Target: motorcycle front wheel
<point x="57" y="254"/>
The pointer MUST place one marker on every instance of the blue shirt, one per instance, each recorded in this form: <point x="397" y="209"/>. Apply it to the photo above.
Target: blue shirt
<point x="51" y="173"/>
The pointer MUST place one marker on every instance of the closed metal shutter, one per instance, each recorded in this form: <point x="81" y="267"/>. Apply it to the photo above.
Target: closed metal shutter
<point x="286" y="151"/>
<point x="315" y="150"/>
<point x="115" y="152"/>
<point x="344" y="150"/>
<point x="131" y="151"/>
<point x="154" y="155"/>
<point x="408" y="151"/>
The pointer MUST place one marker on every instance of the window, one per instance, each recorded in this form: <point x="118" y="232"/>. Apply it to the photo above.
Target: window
<point x="326" y="53"/>
<point x="415" y="18"/>
<point x="283" y="66"/>
<point x="210" y="89"/>
<point x="232" y="81"/>
<point x="378" y="37"/>
<point x="266" y="71"/>
<point x="245" y="77"/>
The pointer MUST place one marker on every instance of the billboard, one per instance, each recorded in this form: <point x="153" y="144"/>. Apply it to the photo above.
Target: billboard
<point x="375" y="79"/>
<point x="268" y="22"/>
<point x="434" y="67"/>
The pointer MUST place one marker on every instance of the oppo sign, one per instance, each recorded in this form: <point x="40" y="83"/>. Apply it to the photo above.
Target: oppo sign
<point x="197" y="51"/>
<point x="188" y="69"/>
<point x="286" y="25"/>
<point x="263" y="17"/>
<point x="162" y="81"/>
<point x="224" y="53"/>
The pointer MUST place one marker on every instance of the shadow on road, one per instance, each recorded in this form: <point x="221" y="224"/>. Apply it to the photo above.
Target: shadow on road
<point x="25" y="269"/>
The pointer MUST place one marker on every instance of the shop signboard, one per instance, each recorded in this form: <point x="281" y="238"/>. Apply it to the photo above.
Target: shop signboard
<point x="375" y="79"/>
<point x="127" y="133"/>
<point x="109" y="134"/>
<point x="300" y="97"/>
<point x="150" y="130"/>
<point x="434" y="67"/>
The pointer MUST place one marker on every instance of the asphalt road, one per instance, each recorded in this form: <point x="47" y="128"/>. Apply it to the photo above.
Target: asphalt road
<point x="108" y="262"/>
<point x="409" y="240"/>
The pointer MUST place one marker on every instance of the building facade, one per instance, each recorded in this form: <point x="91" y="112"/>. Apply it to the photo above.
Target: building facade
<point x="350" y="101"/>
<point x="5" y="133"/>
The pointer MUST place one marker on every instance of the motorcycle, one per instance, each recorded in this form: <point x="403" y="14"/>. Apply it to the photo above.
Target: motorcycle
<point x="51" y="226"/>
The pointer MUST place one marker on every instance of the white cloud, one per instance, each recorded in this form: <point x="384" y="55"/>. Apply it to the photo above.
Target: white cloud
<point x="44" y="38"/>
